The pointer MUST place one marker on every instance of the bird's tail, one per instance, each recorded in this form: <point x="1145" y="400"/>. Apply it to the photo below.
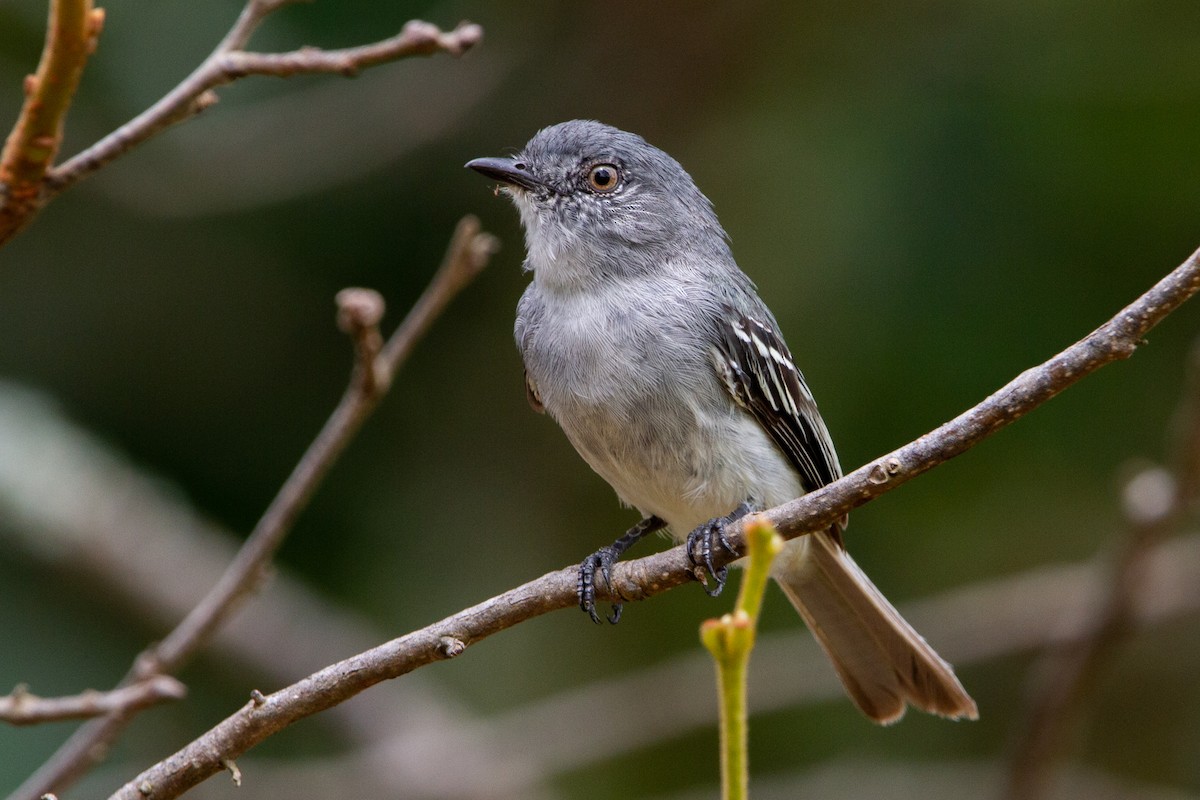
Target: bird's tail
<point x="883" y="663"/>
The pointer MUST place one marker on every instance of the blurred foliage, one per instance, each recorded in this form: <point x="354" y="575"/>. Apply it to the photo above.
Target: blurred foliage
<point x="931" y="196"/>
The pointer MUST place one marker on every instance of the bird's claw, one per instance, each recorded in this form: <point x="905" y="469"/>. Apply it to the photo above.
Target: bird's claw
<point x="602" y="560"/>
<point x="705" y="539"/>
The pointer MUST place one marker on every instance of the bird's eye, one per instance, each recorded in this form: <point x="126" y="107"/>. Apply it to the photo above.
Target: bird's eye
<point x="603" y="178"/>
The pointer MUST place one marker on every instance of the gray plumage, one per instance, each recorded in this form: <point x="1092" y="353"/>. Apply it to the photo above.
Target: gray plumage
<point x="651" y="349"/>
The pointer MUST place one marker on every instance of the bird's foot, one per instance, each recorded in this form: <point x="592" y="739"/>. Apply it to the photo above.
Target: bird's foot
<point x="602" y="561"/>
<point x="702" y="541"/>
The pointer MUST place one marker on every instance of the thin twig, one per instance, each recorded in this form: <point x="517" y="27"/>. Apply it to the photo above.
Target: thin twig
<point x="71" y="35"/>
<point x="22" y="708"/>
<point x="636" y="580"/>
<point x="417" y="38"/>
<point x="1157" y="501"/>
<point x="227" y="63"/>
<point x="467" y="254"/>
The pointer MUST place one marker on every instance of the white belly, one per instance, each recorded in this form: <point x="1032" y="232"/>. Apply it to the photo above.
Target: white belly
<point x="687" y="486"/>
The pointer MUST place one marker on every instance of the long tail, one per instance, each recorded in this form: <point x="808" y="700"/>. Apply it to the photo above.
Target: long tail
<point x="883" y="663"/>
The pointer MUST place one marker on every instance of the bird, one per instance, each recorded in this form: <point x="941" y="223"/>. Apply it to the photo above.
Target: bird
<point x="652" y="350"/>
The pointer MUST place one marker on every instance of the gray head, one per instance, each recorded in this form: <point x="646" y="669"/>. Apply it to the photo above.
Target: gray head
<point x="596" y="201"/>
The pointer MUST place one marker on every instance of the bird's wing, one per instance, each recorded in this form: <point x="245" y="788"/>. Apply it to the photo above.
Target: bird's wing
<point x="529" y="312"/>
<point x="532" y="395"/>
<point x="756" y="367"/>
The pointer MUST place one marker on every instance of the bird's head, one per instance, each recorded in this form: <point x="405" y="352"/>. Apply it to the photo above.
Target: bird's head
<point x="595" y="200"/>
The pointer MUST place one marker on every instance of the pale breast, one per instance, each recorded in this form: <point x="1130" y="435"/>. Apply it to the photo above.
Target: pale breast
<point x="646" y="410"/>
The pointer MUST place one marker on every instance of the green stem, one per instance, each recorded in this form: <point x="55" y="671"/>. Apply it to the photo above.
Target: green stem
<point x="730" y="639"/>
<point x="735" y="741"/>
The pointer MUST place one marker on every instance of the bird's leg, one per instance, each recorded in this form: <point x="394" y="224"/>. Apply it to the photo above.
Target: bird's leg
<point x="706" y="537"/>
<point x="603" y="560"/>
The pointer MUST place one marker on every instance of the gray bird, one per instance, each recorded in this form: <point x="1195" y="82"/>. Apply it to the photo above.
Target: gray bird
<point x="651" y="349"/>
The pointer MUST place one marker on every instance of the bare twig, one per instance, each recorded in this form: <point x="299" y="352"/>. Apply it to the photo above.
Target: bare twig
<point x="417" y="39"/>
<point x="1157" y="501"/>
<point x="468" y="253"/>
<point x="359" y="313"/>
<point x="635" y="580"/>
<point x="228" y="63"/>
<point x="22" y="708"/>
<point x="71" y="36"/>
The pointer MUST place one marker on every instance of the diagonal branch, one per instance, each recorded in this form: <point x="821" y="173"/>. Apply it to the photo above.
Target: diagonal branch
<point x="467" y="254"/>
<point x="71" y="36"/>
<point x="643" y="578"/>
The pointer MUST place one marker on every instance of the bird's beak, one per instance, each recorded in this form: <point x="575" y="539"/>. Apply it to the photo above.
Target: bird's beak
<point x="510" y="171"/>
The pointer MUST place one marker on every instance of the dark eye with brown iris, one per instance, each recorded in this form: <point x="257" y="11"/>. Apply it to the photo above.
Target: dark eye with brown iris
<point x="603" y="178"/>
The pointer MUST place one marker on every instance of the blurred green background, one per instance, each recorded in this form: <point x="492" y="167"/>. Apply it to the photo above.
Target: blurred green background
<point x="932" y="196"/>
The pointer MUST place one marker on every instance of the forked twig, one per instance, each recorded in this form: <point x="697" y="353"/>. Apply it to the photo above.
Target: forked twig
<point x="228" y="63"/>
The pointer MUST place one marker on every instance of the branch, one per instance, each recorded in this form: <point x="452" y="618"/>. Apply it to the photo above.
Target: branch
<point x="416" y="39"/>
<point x="27" y="181"/>
<point x="71" y="36"/>
<point x="636" y="580"/>
<point x="22" y="708"/>
<point x="1156" y="502"/>
<point x="228" y="63"/>
<point x="468" y="253"/>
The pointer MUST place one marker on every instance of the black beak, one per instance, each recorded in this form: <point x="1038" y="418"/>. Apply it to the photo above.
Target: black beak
<point x="506" y="170"/>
